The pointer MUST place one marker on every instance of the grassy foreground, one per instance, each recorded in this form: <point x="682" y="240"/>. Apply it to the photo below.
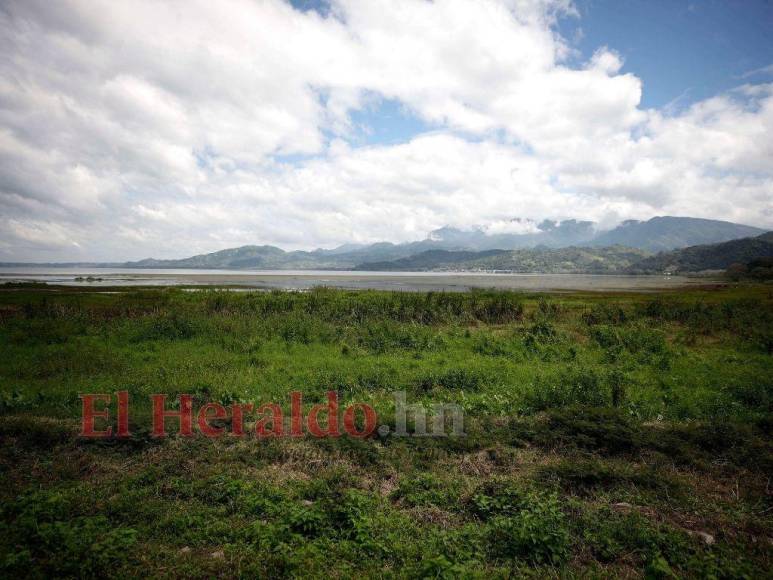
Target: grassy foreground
<point x="607" y="435"/>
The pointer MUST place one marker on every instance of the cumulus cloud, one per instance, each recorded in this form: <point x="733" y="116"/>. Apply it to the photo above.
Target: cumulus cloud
<point x="144" y="128"/>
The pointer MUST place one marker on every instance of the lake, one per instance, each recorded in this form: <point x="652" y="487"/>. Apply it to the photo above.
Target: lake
<point x="305" y="279"/>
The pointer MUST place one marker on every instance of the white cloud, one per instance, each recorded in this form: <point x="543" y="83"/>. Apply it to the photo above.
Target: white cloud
<point x="144" y="128"/>
<point x="513" y="226"/>
<point x="765" y="70"/>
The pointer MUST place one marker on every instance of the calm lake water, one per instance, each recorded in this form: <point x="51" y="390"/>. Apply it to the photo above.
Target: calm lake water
<point x="301" y="280"/>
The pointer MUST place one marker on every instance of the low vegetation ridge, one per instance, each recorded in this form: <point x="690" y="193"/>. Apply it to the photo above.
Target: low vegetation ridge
<point x="544" y="260"/>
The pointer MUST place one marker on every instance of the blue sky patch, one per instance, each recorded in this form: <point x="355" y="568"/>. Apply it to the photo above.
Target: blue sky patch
<point x="683" y="50"/>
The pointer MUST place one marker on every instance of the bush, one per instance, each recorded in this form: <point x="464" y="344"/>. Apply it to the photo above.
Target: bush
<point x="488" y="345"/>
<point x="425" y="489"/>
<point x="650" y="344"/>
<point x="537" y="533"/>
<point x="588" y="475"/>
<point x="309" y="521"/>
<point x="734" y="315"/>
<point x="739" y="444"/>
<point x="44" y="331"/>
<point x="300" y="328"/>
<point x="164" y="327"/>
<point x="606" y="314"/>
<point x="604" y="430"/>
<point x="50" y="541"/>
<point x="383" y="337"/>
<point x="541" y="333"/>
<point x="611" y="535"/>
<point x="467" y="380"/>
<point x="572" y="386"/>
<point x="497" y="498"/>
<point x="35" y="431"/>
<point x="547" y="309"/>
<point x="496" y="307"/>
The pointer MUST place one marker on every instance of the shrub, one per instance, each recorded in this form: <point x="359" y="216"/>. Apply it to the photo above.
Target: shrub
<point x="740" y="444"/>
<point x="546" y="342"/>
<point x="489" y="345"/>
<point x="587" y="475"/>
<point x="424" y="489"/>
<point x="537" y="533"/>
<point x="221" y="301"/>
<point x="735" y="315"/>
<point x="164" y="327"/>
<point x="496" y="307"/>
<point x="650" y="344"/>
<point x="610" y="535"/>
<point x="541" y="333"/>
<point x="35" y="431"/>
<point x="497" y="498"/>
<point x="14" y="400"/>
<point x="309" y="521"/>
<point x="761" y="339"/>
<point x="604" y="430"/>
<point x="57" y="544"/>
<point x="382" y="337"/>
<point x="300" y="328"/>
<point x="547" y="309"/>
<point x="44" y="331"/>
<point x="354" y="515"/>
<point x="262" y="500"/>
<point x="575" y="385"/>
<point x="467" y="380"/>
<point x="604" y="313"/>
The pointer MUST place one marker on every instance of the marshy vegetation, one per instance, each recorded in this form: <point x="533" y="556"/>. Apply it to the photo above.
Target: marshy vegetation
<point x="612" y="435"/>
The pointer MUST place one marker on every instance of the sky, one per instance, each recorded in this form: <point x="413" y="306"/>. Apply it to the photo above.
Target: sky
<point x="148" y="128"/>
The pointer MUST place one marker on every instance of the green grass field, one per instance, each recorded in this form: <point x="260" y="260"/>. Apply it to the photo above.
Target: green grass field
<point x="607" y="435"/>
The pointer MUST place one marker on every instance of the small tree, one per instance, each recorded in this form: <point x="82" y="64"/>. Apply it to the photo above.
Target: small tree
<point x="736" y="271"/>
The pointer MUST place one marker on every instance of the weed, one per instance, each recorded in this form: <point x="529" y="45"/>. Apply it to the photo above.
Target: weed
<point x="537" y="533"/>
<point x="423" y="489"/>
<point x="603" y="430"/>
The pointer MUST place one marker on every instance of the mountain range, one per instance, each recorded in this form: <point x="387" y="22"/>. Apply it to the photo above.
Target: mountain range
<point x="521" y="245"/>
<point x="588" y="260"/>
<point x="660" y="233"/>
<point x="670" y="233"/>
<point x="571" y="260"/>
<point x="708" y="256"/>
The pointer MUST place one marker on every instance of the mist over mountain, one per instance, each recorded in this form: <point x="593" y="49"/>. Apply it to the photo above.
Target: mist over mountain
<point x="654" y="235"/>
<point x="549" y="233"/>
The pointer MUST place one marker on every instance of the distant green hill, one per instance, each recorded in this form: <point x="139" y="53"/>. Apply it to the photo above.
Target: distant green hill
<point x="543" y="260"/>
<point x="708" y="257"/>
<point x="429" y="260"/>
<point x="668" y="233"/>
<point x="242" y="257"/>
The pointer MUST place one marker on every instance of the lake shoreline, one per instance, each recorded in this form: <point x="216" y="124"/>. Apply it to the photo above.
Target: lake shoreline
<point x="304" y="280"/>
